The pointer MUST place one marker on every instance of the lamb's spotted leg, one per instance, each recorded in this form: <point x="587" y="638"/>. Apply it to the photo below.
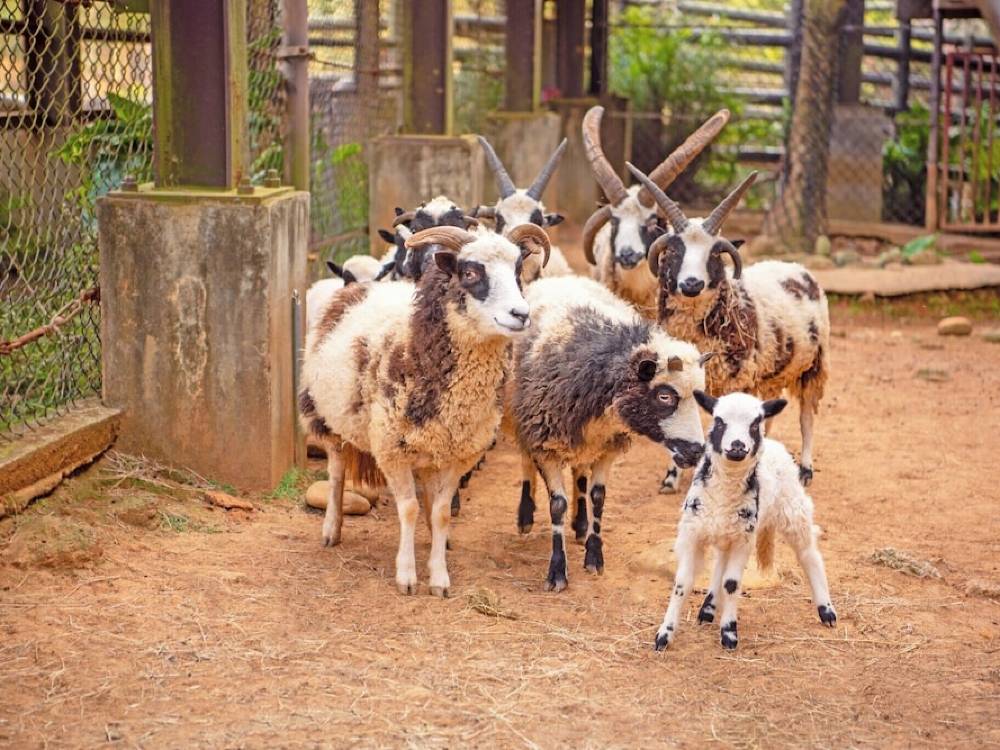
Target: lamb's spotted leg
<point x="688" y="551"/>
<point x="593" y="560"/>
<point x="732" y="575"/>
<point x="707" y="611"/>
<point x="334" y="519"/>
<point x="552" y="474"/>
<point x="526" y="508"/>
<point x="812" y="563"/>
<point x="580" y="517"/>
<point x="671" y="479"/>
<point x="806" y="425"/>
<point x="404" y="489"/>
<point x="443" y="485"/>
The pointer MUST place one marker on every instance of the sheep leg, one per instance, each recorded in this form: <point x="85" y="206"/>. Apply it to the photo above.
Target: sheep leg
<point x="593" y="560"/>
<point x="552" y="474"/>
<point x="580" y="517"/>
<point x="688" y="551"/>
<point x="806" y="425"/>
<point x="334" y="519"/>
<point x="671" y="478"/>
<point x="404" y="489"/>
<point x="707" y="611"/>
<point x="526" y="508"/>
<point x="437" y="565"/>
<point x="812" y="563"/>
<point x="736" y="562"/>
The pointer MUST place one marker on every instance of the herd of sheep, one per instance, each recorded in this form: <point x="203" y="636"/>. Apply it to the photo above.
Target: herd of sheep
<point x="474" y="323"/>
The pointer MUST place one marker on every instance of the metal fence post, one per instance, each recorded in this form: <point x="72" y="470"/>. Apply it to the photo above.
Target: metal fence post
<point x="295" y="56"/>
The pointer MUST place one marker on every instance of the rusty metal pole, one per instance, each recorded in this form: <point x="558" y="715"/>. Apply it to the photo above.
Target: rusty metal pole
<point x="427" y="75"/>
<point x="570" y="45"/>
<point x="366" y="59"/>
<point x="931" y="200"/>
<point x="523" y="56"/>
<point x="599" y="48"/>
<point x="295" y="56"/>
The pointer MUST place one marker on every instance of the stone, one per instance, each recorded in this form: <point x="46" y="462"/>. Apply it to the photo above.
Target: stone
<point x="354" y="504"/>
<point x="818" y="262"/>
<point x="955" y="326"/>
<point x="226" y="501"/>
<point x="823" y="246"/>
<point x="892" y="255"/>
<point x="926" y="257"/>
<point x="933" y="374"/>
<point x="992" y="335"/>
<point x="846" y="257"/>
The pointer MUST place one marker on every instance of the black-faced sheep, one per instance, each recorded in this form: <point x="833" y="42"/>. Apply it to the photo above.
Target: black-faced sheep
<point x="617" y="237"/>
<point x="745" y="491"/>
<point x="769" y="324"/>
<point x="524" y="206"/>
<point x="401" y="383"/>
<point x="410" y="262"/>
<point x="591" y="375"/>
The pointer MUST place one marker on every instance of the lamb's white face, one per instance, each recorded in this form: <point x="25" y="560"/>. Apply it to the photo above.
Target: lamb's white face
<point x="487" y="272"/>
<point x="633" y="229"/>
<point x="738" y="424"/>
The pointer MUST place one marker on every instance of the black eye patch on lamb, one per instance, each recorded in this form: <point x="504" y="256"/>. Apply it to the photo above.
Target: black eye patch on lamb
<point x="715" y="436"/>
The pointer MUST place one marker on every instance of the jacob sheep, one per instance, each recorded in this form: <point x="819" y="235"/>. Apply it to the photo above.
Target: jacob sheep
<point x="590" y="376"/>
<point x="516" y="206"/>
<point x="411" y="262"/>
<point x="617" y="237"/>
<point x="746" y="490"/>
<point x="769" y="324"/>
<point x="401" y="382"/>
<point x="356" y="269"/>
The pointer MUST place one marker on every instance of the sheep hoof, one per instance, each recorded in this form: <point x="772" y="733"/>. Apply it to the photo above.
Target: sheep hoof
<point x="556" y="584"/>
<point x="331" y="540"/>
<point x="707" y="612"/>
<point x="827" y="615"/>
<point x="593" y="560"/>
<point x="406" y="588"/>
<point x="664" y="636"/>
<point x="671" y="482"/>
<point x="728" y="636"/>
<point x="439" y="591"/>
<point x="524" y="528"/>
<point x="805" y="475"/>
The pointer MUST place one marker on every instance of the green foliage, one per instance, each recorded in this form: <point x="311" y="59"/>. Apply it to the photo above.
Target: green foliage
<point x="478" y="90"/>
<point x="919" y="244"/>
<point x="292" y="485"/>
<point x="976" y="257"/>
<point x="904" y="167"/>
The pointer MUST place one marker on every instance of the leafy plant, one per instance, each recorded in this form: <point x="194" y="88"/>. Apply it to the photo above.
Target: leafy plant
<point x="904" y="167"/>
<point x="918" y="245"/>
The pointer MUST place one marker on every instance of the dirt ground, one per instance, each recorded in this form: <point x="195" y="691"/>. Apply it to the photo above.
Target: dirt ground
<point x="132" y="614"/>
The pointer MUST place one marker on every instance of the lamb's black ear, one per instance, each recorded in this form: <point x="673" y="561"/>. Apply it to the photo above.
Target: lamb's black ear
<point x="447" y="261"/>
<point x="646" y="370"/>
<point x="386" y="235"/>
<point x="349" y="278"/>
<point x="705" y="401"/>
<point x="552" y="219"/>
<point x="335" y="269"/>
<point x="399" y="211"/>
<point x="774" y="407"/>
<point x="737" y="243"/>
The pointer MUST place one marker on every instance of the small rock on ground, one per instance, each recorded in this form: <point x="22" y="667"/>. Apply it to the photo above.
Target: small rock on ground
<point x="992" y="335"/>
<point x="933" y="374"/>
<point x="354" y="504"/>
<point x="955" y="326"/>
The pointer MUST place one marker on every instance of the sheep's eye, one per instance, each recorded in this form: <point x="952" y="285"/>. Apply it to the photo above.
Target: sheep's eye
<point x="470" y="276"/>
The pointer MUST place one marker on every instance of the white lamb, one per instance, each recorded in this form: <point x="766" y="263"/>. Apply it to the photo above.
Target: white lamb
<point x="746" y="489"/>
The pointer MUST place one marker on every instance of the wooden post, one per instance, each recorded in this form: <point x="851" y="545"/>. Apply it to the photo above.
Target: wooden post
<point x="523" y="52"/>
<point x="52" y="65"/>
<point x="599" y="49"/>
<point x="427" y="76"/>
<point x="200" y="93"/>
<point x="851" y="53"/>
<point x="366" y="58"/>
<point x="902" y="90"/>
<point x="793" y="53"/>
<point x="570" y="27"/>
<point x="295" y="21"/>
<point x="931" y="202"/>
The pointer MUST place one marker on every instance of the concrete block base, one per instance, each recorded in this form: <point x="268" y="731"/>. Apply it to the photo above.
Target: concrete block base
<point x="196" y="327"/>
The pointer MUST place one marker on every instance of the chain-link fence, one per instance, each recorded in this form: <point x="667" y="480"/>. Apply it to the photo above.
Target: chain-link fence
<point x="75" y="119"/>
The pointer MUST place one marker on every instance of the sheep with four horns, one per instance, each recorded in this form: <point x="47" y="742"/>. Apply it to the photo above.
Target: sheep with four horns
<point x="402" y="382"/>
<point x="769" y="325"/>
<point x="516" y="206"/>
<point x="591" y="374"/>
<point x="411" y="262"/>
<point x="617" y="237"/>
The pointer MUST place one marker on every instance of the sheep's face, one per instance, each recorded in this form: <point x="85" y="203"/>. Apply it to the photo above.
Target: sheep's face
<point x="485" y="272"/>
<point x="737" y="424"/>
<point x="439" y="212"/>
<point x="521" y="208"/>
<point x="634" y="227"/>
<point x="656" y="398"/>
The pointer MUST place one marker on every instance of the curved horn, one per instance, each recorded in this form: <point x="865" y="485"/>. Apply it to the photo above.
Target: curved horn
<point x="448" y="237"/>
<point x="655" y="251"/>
<point x="597" y="220"/>
<point x="668" y="170"/>
<point x="713" y="223"/>
<point x="672" y="211"/>
<point x="486" y="212"/>
<point x="606" y="176"/>
<point x="538" y="186"/>
<point x="531" y="235"/>
<point x="404" y="217"/>
<point x="470" y="221"/>
<point x="504" y="184"/>
<point x="724" y="246"/>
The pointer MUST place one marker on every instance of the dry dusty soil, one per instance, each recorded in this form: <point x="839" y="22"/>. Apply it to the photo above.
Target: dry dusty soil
<point x="131" y="614"/>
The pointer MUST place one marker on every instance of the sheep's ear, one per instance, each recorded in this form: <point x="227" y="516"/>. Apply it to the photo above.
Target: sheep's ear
<point x="774" y="407"/>
<point x="552" y="219"/>
<point x="335" y="269"/>
<point x="349" y="278"/>
<point x="447" y="261"/>
<point x="737" y="243"/>
<point x="704" y="358"/>
<point x="646" y="370"/>
<point x="387" y="268"/>
<point x="705" y="401"/>
<point x="399" y="211"/>
<point x="387" y="236"/>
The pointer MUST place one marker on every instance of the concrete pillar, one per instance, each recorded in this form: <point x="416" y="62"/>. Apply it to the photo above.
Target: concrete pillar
<point x="523" y="56"/>
<point x="196" y="326"/>
<point x="524" y="141"/>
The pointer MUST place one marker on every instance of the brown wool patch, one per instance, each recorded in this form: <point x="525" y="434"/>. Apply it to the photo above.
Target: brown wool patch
<point x="733" y="321"/>
<point x="784" y="346"/>
<point x="805" y="287"/>
<point x="815" y="369"/>
<point x="360" y="467"/>
<point x="340" y="303"/>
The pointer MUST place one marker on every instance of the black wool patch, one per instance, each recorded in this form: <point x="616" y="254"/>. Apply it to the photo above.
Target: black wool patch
<point x="472" y="276"/>
<point x="731" y="585"/>
<point x="537" y="218"/>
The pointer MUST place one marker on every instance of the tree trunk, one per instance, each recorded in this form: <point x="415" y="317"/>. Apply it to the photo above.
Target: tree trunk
<point x="798" y="216"/>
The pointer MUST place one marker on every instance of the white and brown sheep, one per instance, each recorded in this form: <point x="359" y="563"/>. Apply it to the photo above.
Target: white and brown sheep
<point x="402" y="382"/>
<point x="592" y="374"/>
<point x="746" y="491"/>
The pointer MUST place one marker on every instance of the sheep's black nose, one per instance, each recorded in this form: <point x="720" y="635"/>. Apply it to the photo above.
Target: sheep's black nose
<point x="691" y="287"/>
<point x="628" y="257"/>
<point x="521" y="316"/>
<point x="737" y="451"/>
